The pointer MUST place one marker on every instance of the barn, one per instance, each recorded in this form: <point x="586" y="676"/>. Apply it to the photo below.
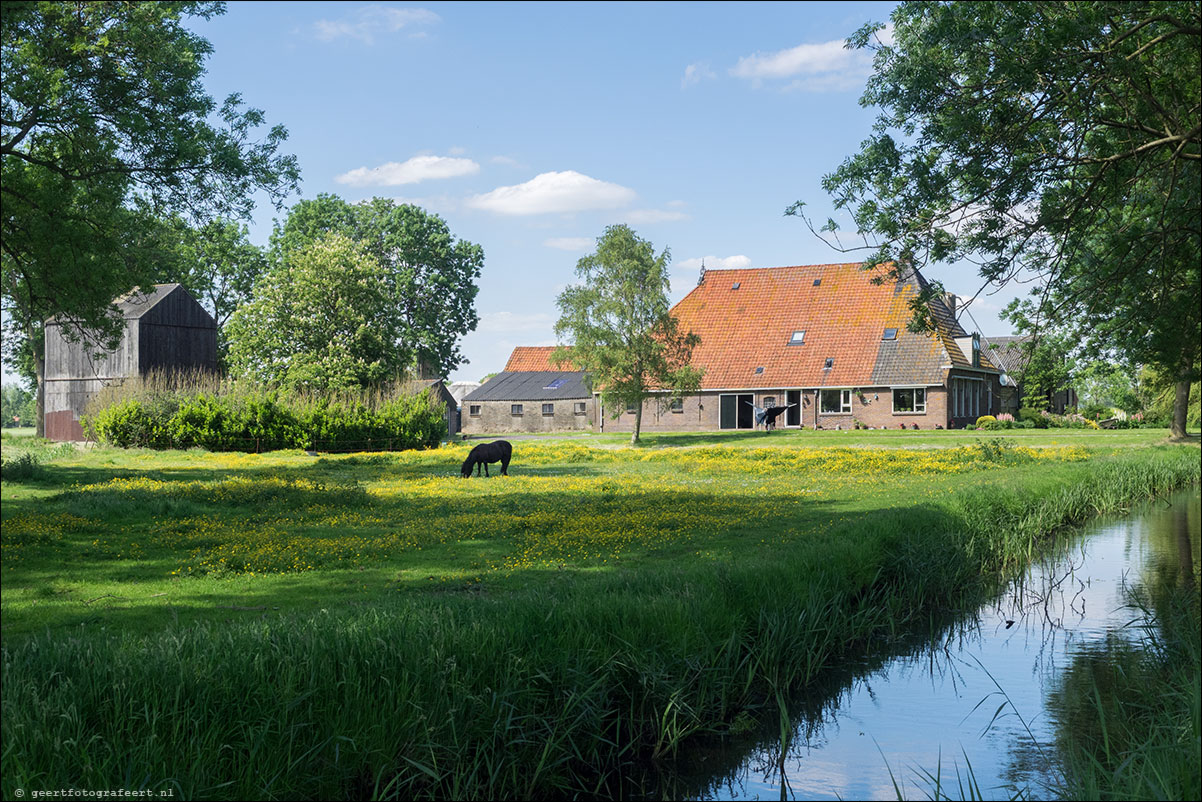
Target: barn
<point x="165" y="330"/>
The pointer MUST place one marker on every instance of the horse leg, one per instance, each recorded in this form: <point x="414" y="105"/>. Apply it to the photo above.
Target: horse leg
<point x="485" y="464"/>
<point x="505" y="467"/>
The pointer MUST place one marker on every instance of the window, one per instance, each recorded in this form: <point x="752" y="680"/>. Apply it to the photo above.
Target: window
<point x="473" y="410"/>
<point x="909" y="400"/>
<point x="515" y="409"/>
<point x="976" y="350"/>
<point x="817" y="282"/>
<point x="834" y="402"/>
<point x="890" y="334"/>
<point x="630" y="410"/>
<point x="548" y="409"/>
<point x="759" y="371"/>
<point x="830" y="363"/>
<point x="734" y="286"/>
<point x="676" y="405"/>
<point x="798" y="337"/>
<point x="579" y="408"/>
<point x="555" y="385"/>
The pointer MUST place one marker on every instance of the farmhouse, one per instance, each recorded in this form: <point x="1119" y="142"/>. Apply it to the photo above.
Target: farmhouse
<point x="165" y="330"/>
<point x="530" y="395"/>
<point x="829" y="342"/>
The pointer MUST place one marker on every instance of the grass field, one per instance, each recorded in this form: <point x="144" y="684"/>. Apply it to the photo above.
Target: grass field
<point x="375" y="626"/>
<point x="139" y="539"/>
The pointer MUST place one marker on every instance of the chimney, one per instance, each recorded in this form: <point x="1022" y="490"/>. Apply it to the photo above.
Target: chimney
<point x="950" y="299"/>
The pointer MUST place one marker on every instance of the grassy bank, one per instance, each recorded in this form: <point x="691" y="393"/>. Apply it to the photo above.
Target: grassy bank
<point x="282" y="626"/>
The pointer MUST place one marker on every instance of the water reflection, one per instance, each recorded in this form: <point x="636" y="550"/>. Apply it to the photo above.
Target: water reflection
<point x="965" y="715"/>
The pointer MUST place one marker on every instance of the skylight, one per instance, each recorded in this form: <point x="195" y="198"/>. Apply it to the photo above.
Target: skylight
<point x="555" y="385"/>
<point x="830" y="363"/>
<point x="817" y="282"/>
<point x="798" y="337"/>
<point x="735" y="286"/>
<point x="890" y="334"/>
<point x="759" y="370"/>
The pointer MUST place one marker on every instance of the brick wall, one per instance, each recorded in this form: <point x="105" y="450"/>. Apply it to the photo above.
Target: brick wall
<point x="496" y="417"/>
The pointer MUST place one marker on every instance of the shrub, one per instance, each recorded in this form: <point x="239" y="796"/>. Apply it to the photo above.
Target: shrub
<point x="233" y="416"/>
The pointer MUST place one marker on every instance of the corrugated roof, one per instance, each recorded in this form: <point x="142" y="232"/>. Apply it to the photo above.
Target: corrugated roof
<point x="746" y="320"/>
<point x="534" y="357"/>
<point x="531" y="385"/>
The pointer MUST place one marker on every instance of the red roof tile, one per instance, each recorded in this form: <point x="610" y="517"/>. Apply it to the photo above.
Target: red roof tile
<point x="535" y="357"/>
<point x="844" y="317"/>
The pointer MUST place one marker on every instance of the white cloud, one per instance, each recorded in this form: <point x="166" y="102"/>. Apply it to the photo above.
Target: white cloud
<point x="419" y="168"/>
<point x="548" y="193"/>
<point x="369" y="21"/>
<point x="569" y="243"/>
<point x="712" y="262"/>
<point x="696" y="73"/>
<point x="508" y="322"/>
<point x="814" y="67"/>
<point x="639" y="216"/>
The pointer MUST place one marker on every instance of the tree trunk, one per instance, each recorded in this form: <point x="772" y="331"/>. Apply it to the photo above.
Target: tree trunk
<point x="39" y="369"/>
<point x="638" y="424"/>
<point x="1180" y="409"/>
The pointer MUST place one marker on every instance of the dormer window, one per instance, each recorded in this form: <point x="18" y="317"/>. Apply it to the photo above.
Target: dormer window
<point x="890" y="334"/>
<point x="798" y="337"/>
<point x="830" y="363"/>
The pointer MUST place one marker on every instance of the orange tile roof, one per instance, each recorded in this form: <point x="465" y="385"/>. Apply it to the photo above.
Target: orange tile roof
<point x="844" y="318"/>
<point x="535" y="357"/>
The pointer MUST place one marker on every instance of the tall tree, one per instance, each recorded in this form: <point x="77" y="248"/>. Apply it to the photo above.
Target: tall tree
<point x="322" y="319"/>
<point x="621" y="328"/>
<point x="1055" y="141"/>
<point x="217" y="263"/>
<point x="106" y="128"/>
<point x="432" y="276"/>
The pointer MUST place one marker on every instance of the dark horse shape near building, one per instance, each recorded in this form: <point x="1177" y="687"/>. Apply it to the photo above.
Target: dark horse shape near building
<point x="496" y="451"/>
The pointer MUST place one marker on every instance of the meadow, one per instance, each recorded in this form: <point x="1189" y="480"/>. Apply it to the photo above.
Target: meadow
<point x="372" y="625"/>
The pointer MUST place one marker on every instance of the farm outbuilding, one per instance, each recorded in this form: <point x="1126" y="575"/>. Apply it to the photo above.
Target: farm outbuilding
<point x="530" y="395"/>
<point x="165" y="330"/>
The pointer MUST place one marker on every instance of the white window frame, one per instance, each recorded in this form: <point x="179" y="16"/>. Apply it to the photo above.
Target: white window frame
<point x="919" y="408"/>
<point x="844" y="399"/>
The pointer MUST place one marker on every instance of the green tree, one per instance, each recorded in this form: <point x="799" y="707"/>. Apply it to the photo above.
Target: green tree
<point x="19" y="406"/>
<point x="217" y="263"/>
<point x="431" y="275"/>
<point x="1050" y="141"/>
<point x="621" y="327"/>
<point x="323" y="319"/>
<point x="107" y="129"/>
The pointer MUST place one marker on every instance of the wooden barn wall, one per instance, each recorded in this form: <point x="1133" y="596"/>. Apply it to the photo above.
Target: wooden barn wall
<point x="179" y="309"/>
<point x="177" y="348"/>
<point x="68" y="360"/>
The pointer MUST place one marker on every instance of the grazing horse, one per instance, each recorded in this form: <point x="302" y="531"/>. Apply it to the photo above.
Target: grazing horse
<point x="496" y="451"/>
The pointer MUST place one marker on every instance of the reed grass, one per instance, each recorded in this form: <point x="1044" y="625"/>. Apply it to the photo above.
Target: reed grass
<point x="556" y="683"/>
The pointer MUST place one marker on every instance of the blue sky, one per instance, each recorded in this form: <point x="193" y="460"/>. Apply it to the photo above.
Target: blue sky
<point x="531" y="127"/>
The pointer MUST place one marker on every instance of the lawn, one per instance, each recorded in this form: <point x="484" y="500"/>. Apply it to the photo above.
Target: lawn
<point x="101" y="538"/>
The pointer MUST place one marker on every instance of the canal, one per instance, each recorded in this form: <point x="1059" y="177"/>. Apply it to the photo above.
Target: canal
<point x="965" y="714"/>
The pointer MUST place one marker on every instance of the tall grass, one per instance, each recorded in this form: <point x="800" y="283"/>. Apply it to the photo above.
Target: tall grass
<point x="559" y="689"/>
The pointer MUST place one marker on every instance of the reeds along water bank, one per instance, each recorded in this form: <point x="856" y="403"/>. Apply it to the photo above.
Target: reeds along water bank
<point x="558" y="689"/>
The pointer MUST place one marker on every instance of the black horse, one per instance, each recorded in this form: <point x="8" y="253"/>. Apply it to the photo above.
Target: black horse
<point x="496" y="451"/>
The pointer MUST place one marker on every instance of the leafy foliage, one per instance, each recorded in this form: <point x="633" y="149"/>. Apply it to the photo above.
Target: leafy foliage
<point x="322" y="319"/>
<point x="621" y="326"/>
<point x="239" y="417"/>
<point x="430" y="276"/>
<point x="1049" y="141"/>
<point x="106" y="130"/>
